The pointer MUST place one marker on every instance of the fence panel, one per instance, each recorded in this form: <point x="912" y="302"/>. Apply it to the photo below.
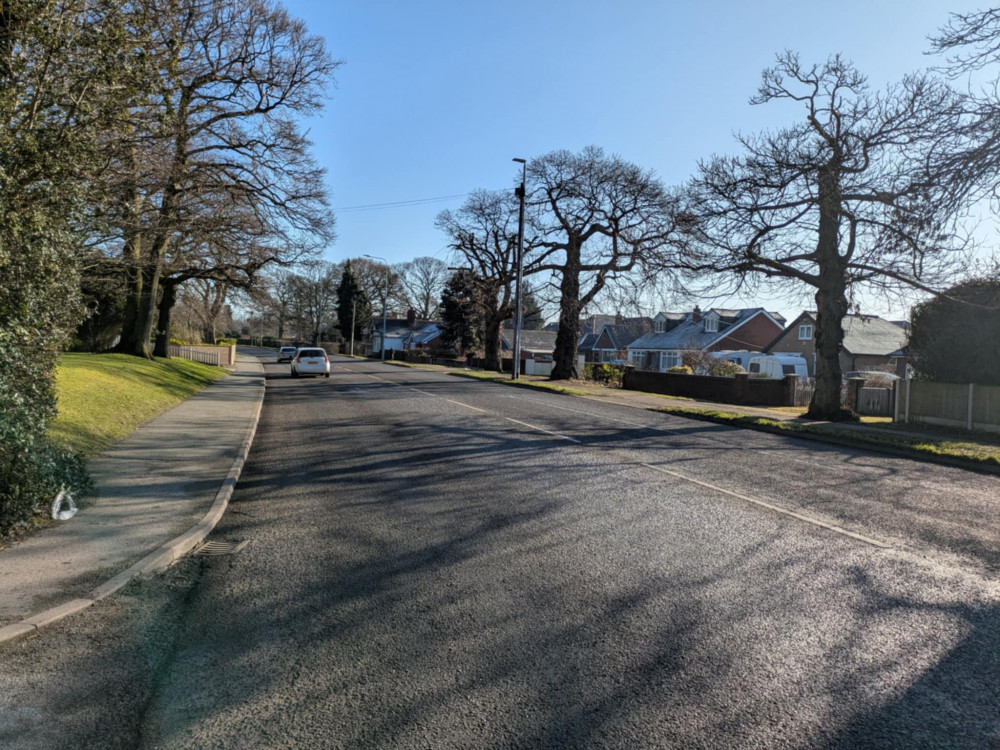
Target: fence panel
<point x="875" y="402"/>
<point x="963" y="405"/>
<point x="190" y="353"/>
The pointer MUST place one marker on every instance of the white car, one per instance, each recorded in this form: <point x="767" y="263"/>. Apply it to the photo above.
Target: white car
<point x="310" y="361"/>
<point x="286" y="353"/>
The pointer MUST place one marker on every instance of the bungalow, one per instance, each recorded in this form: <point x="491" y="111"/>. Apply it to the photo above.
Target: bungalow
<point x="613" y="340"/>
<point x="609" y="341"/>
<point x="870" y="343"/>
<point x="406" y="335"/>
<point x="716" y="330"/>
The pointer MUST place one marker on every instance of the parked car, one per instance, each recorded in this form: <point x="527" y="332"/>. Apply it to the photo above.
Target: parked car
<point x="286" y="353"/>
<point x="310" y="361"/>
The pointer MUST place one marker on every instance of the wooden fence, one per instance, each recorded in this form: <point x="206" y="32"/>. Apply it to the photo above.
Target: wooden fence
<point x="964" y="405"/>
<point x="740" y="389"/>
<point x="197" y="354"/>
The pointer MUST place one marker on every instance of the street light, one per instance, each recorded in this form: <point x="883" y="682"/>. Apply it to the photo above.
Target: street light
<point x="385" y="299"/>
<point x="515" y="369"/>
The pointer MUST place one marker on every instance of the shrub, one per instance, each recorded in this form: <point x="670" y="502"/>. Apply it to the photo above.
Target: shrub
<point x="226" y="342"/>
<point x="722" y="368"/>
<point x="681" y="370"/>
<point x="602" y="372"/>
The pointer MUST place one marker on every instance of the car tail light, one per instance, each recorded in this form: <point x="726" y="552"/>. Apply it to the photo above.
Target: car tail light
<point x="326" y="359"/>
<point x="299" y="359"/>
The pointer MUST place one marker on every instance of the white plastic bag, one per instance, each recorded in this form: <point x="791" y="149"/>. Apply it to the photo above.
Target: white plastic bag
<point x="58" y="514"/>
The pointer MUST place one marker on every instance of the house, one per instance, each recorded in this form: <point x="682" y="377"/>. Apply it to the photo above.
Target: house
<point x="870" y="343"/>
<point x="534" y="344"/>
<point x="610" y="340"/>
<point x="716" y="330"/>
<point x="613" y="340"/>
<point x="407" y="334"/>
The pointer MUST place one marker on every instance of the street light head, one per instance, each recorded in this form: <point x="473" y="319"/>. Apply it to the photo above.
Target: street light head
<point x="519" y="161"/>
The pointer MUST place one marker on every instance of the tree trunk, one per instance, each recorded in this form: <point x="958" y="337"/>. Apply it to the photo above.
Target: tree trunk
<point x="133" y="285"/>
<point x="831" y="304"/>
<point x="491" y="342"/>
<point x="167" y="301"/>
<point x="564" y="358"/>
<point x="147" y="309"/>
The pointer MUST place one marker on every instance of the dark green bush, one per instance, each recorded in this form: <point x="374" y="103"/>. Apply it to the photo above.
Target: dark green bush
<point x="601" y="372"/>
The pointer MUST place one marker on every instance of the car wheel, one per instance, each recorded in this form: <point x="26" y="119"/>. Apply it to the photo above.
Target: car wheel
<point x="294" y="374"/>
<point x="327" y="374"/>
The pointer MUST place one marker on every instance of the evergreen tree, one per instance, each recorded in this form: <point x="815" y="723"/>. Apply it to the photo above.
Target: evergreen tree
<point x="352" y="304"/>
<point x="462" y="311"/>
<point x="955" y="337"/>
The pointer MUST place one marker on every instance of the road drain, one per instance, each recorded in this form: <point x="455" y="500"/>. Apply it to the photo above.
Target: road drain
<point x="216" y="547"/>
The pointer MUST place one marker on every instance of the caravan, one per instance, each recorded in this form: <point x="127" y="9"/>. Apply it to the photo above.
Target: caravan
<point x="777" y="366"/>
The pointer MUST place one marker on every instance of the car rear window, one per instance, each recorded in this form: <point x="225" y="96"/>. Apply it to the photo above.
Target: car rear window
<point x="312" y="353"/>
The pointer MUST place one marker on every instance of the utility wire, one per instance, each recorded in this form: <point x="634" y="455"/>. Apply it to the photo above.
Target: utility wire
<point x="399" y="204"/>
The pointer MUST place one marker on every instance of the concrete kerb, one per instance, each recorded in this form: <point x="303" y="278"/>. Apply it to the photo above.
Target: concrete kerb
<point x="159" y="559"/>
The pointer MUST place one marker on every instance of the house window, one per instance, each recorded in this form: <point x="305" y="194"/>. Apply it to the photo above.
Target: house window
<point x="659" y="326"/>
<point x="805" y="332"/>
<point x="711" y="325"/>
<point x="668" y="360"/>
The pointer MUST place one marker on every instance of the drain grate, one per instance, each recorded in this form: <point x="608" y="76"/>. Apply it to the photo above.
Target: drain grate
<point x="218" y="547"/>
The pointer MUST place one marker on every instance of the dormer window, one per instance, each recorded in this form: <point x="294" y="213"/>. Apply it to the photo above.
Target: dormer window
<point x="805" y="332"/>
<point x="659" y="326"/>
<point x="711" y="325"/>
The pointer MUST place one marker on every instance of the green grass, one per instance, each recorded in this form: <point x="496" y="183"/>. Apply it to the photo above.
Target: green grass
<point x="494" y="377"/>
<point x="973" y="453"/>
<point x="104" y="397"/>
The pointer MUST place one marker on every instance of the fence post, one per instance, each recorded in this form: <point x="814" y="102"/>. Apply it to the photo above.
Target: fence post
<point x="968" y="421"/>
<point x="906" y="414"/>
<point x="791" y="385"/>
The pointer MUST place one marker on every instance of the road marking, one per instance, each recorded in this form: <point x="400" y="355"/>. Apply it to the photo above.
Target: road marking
<point x="474" y="408"/>
<point x="775" y="508"/>
<point x="655" y="428"/>
<point x="541" y="429"/>
<point x="715" y="488"/>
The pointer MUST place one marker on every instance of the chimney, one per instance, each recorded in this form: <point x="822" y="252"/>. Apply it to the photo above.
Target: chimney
<point x="411" y="317"/>
<point x="696" y="315"/>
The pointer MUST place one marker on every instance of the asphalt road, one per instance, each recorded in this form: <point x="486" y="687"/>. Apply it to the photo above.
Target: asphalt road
<point x="441" y="563"/>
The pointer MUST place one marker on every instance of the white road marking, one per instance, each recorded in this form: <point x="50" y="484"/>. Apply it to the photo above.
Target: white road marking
<point x="474" y="408"/>
<point x="541" y="429"/>
<point x="715" y="488"/>
<point x="775" y="508"/>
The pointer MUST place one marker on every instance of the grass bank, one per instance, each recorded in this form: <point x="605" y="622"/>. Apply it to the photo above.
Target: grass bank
<point x="104" y="397"/>
<point x="984" y="454"/>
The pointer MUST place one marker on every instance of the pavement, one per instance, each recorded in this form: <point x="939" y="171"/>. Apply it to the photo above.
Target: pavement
<point x="159" y="493"/>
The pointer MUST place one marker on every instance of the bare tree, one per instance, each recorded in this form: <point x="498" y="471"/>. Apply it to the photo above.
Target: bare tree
<point x="849" y="196"/>
<point x="423" y="280"/>
<point x="216" y="132"/>
<point x="483" y="236"/>
<point x="598" y="220"/>
<point x="314" y="305"/>
<point x="971" y="42"/>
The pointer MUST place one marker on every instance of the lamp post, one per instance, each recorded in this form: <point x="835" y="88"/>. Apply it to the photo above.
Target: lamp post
<point x="515" y="369"/>
<point x="354" y="312"/>
<point x="385" y="299"/>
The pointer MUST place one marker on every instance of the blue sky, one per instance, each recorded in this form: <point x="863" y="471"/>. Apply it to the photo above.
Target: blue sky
<point x="434" y="98"/>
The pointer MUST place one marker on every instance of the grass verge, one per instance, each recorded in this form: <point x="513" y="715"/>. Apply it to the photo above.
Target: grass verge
<point x="505" y="380"/>
<point x="104" y="397"/>
<point x="981" y="454"/>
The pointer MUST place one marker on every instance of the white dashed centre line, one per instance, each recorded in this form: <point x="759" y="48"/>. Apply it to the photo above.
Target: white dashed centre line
<point x="540" y="429"/>
<point x="775" y="508"/>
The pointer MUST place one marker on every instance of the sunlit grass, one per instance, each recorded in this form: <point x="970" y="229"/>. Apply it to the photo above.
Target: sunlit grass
<point x="104" y="397"/>
<point x="949" y="447"/>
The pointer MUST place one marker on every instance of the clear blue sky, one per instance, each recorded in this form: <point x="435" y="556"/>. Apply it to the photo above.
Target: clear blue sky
<point x="434" y="98"/>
